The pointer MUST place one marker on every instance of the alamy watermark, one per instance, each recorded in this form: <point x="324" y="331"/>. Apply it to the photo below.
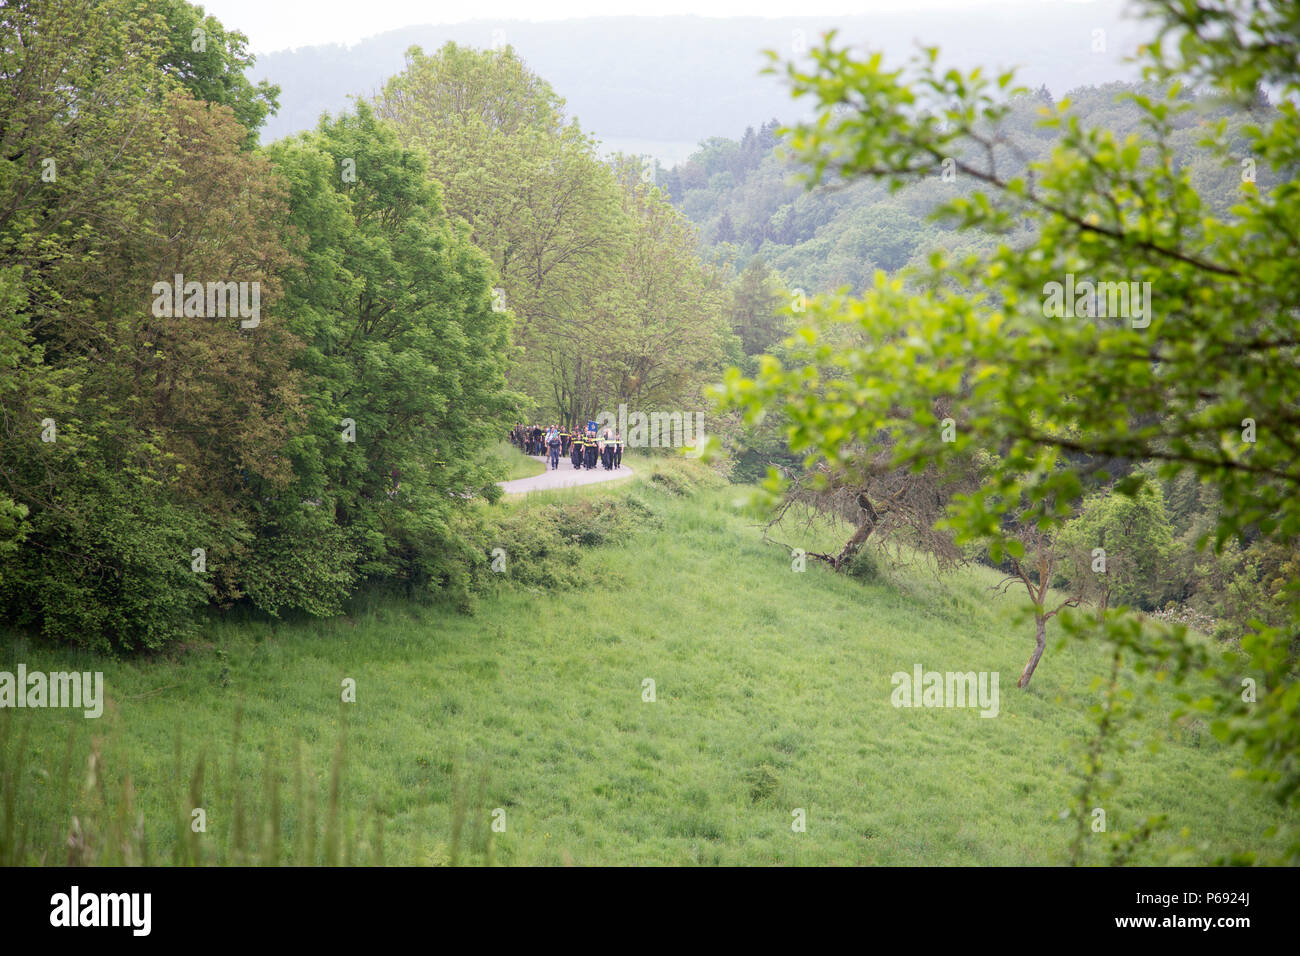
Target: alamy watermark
<point x="75" y="909"/>
<point x="1086" y="299"/>
<point x="657" y="429"/>
<point x="215" y="300"/>
<point x="84" y="691"/>
<point x="923" y="688"/>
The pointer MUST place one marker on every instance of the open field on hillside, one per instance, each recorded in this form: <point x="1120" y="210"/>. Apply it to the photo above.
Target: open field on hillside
<point x="772" y="694"/>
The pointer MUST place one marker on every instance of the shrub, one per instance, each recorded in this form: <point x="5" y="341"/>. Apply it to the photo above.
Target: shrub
<point x="302" y="560"/>
<point x="543" y="544"/>
<point x="864" y="566"/>
<point x="763" y="782"/>
<point x="113" y="570"/>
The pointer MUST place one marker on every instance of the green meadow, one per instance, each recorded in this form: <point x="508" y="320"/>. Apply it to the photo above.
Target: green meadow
<point x="772" y="694"/>
<point x="514" y="463"/>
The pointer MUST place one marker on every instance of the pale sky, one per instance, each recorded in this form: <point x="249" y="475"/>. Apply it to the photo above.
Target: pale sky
<point x="278" y="24"/>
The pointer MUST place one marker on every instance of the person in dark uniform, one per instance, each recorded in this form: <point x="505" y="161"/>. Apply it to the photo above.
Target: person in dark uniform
<point x="576" y="450"/>
<point x="607" y="451"/>
<point x="590" y="461"/>
<point x="536" y="445"/>
<point x="618" y="450"/>
<point x="564" y="442"/>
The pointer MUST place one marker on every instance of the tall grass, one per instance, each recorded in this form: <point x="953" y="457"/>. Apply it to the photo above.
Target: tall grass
<point x="773" y="693"/>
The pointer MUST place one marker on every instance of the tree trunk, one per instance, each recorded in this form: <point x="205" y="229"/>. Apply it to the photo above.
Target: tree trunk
<point x="1040" y="641"/>
<point x="860" y="536"/>
<point x="854" y="543"/>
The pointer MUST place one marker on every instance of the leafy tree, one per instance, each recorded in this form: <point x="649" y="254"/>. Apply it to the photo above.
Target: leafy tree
<point x="186" y="414"/>
<point x="1119" y="547"/>
<point x="485" y="92"/>
<point x="653" y="331"/>
<point x="88" y="147"/>
<point x="211" y="62"/>
<point x="611" y="301"/>
<point x="536" y="196"/>
<point x="159" y="459"/>
<point x="756" y="309"/>
<point x="1206" y="380"/>
<point x="1034" y="553"/>
<point x="674" y="333"/>
<point x="725" y="231"/>
<point x="394" y="308"/>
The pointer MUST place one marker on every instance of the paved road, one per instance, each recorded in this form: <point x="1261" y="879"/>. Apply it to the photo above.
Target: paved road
<point x="566" y="476"/>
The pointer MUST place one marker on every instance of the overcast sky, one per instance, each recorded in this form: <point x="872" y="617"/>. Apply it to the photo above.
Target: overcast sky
<point x="278" y="24"/>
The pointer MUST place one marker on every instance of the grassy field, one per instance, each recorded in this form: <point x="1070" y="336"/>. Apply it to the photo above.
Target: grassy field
<point x="772" y="692"/>
<point x="515" y="463"/>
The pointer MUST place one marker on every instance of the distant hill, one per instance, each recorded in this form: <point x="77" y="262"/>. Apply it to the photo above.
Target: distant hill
<point x="660" y="85"/>
<point x="743" y="196"/>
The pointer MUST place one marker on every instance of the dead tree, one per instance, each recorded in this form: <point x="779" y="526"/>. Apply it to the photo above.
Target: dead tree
<point x="879" y="502"/>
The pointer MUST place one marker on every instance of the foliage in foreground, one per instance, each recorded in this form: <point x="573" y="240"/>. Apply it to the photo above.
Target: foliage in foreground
<point x="1200" y="380"/>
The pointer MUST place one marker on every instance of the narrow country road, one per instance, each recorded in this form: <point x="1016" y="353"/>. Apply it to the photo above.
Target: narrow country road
<point x="566" y="476"/>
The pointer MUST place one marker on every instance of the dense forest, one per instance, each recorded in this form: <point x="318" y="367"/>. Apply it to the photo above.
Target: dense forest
<point x="751" y="200"/>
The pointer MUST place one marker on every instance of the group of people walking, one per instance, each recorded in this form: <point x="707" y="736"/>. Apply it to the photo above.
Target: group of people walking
<point x="528" y="439"/>
<point x="583" y="447"/>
